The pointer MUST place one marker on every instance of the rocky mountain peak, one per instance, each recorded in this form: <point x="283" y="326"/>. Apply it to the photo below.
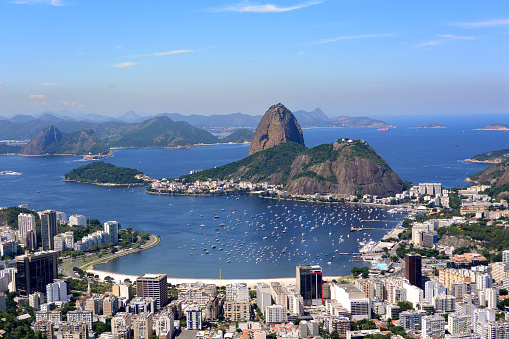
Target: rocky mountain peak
<point x="278" y="125"/>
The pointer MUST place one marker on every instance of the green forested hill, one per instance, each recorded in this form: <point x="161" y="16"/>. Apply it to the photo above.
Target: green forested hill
<point x="161" y="132"/>
<point x="104" y="173"/>
<point x="346" y="167"/>
<point x="239" y="136"/>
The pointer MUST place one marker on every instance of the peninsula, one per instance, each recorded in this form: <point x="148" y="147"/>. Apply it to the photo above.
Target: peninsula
<point x="278" y="158"/>
<point x="106" y="174"/>
<point x="493" y="157"/>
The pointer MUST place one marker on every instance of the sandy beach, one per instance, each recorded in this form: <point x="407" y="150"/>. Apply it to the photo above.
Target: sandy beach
<point x="175" y="281"/>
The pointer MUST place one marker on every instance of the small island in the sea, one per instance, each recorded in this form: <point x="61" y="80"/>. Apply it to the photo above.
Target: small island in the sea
<point x="493" y="157"/>
<point x="430" y="125"/>
<point x="106" y="174"/>
<point x="494" y="127"/>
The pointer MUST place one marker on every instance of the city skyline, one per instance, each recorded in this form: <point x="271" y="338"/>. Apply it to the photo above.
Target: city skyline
<point x="220" y="57"/>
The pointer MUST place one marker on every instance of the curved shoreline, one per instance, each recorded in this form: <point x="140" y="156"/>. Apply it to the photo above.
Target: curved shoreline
<point x="104" y="184"/>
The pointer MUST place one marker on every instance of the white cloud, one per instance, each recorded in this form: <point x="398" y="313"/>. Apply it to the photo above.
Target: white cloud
<point x="268" y="8"/>
<point x="482" y="24"/>
<point x="446" y="38"/>
<point x="49" y="83"/>
<point x="37" y="96"/>
<point x="301" y="53"/>
<point x="348" y="37"/>
<point x="2" y="82"/>
<point x="177" y="51"/>
<point x="39" y="2"/>
<point x="125" y="64"/>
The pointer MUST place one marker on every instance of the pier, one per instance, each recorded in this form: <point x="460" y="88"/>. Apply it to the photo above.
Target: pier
<point x="353" y="229"/>
<point x="382" y="220"/>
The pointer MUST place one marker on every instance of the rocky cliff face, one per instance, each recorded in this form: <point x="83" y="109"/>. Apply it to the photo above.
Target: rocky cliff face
<point x="343" y="168"/>
<point x="277" y="126"/>
<point x="39" y="144"/>
<point x="51" y="141"/>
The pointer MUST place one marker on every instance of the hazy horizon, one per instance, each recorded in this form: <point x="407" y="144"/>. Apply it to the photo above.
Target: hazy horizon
<point x="351" y="58"/>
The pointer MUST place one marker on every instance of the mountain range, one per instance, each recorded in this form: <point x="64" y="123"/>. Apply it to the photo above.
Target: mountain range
<point x="22" y="127"/>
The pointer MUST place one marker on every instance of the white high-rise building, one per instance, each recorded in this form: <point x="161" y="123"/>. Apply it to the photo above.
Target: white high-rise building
<point x="111" y="227"/>
<point x="194" y="321"/>
<point x="505" y="256"/>
<point x="263" y="297"/>
<point x="237" y="292"/>
<point x="275" y="314"/>
<point x="56" y="291"/>
<point x="460" y="324"/>
<point x="433" y="326"/>
<point x="59" y="242"/>
<point x="26" y="222"/>
<point x="62" y="216"/>
<point x="77" y="220"/>
<point x="491" y="295"/>
<point x="69" y="239"/>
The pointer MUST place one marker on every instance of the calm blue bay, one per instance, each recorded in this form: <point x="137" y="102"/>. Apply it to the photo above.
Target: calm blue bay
<point x="253" y="237"/>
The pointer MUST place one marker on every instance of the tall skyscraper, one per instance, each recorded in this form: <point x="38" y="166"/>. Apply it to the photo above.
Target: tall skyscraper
<point x="309" y="284"/>
<point x="35" y="271"/>
<point x="26" y="222"/>
<point x="413" y="270"/>
<point x="111" y="227"/>
<point x="153" y="286"/>
<point x="48" y="229"/>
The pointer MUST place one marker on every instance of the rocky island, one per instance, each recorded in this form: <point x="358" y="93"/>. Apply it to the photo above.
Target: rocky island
<point x="106" y="174"/>
<point x="430" y="125"/>
<point x="494" y="127"/>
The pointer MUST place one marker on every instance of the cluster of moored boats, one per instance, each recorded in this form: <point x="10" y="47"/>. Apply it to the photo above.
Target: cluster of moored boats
<point x="285" y="232"/>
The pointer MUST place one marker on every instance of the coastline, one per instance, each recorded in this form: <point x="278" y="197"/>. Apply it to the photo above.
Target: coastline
<point x="219" y="282"/>
<point x="494" y="161"/>
<point x="104" y="184"/>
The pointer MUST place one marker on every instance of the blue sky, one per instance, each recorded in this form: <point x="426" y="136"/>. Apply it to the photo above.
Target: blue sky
<point x="357" y="58"/>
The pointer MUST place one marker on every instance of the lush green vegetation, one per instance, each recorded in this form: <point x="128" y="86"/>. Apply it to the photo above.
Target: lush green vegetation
<point x="489" y="240"/>
<point x="492" y="156"/>
<point x="361" y="149"/>
<point x="17" y="329"/>
<point x="79" y="143"/>
<point x="403" y="249"/>
<point x="82" y="286"/>
<point x="362" y="271"/>
<point x="319" y="155"/>
<point x="10" y="216"/>
<point x="239" y="136"/>
<point x="8" y="149"/>
<point x="262" y="164"/>
<point x="162" y="132"/>
<point x="104" y="173"/>
<point x="495" y="191"/>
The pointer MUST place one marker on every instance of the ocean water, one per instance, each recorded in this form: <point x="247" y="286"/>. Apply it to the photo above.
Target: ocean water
<point x="245" y="236"/>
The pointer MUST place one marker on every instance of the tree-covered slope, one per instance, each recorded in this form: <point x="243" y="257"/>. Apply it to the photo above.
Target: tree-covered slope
<point x="346" y="167"/>
<point x="161" y="132"/>
<point x="104" y="173"/>
<point x="239" y="136"/>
